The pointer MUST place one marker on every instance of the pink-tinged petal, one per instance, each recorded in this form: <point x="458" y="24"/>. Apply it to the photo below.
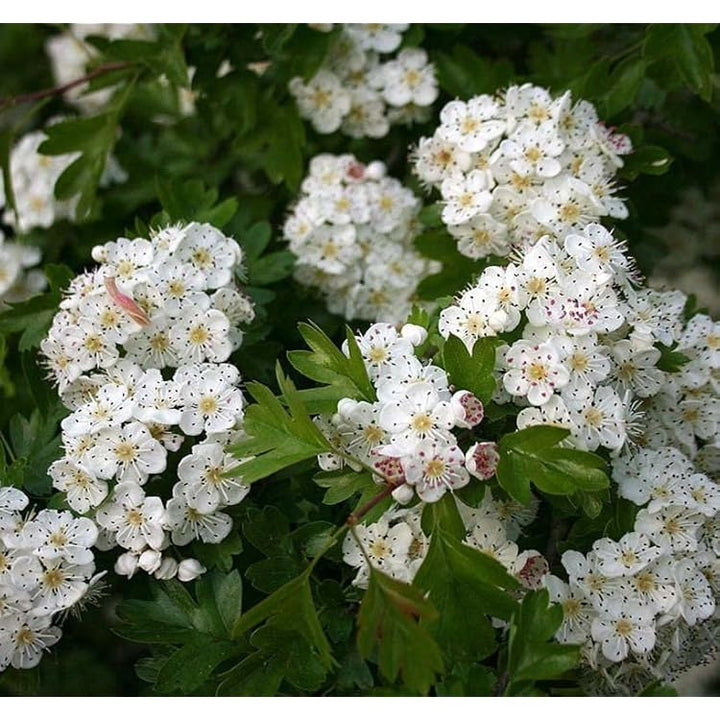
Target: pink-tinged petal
<point x="126" y="303"/>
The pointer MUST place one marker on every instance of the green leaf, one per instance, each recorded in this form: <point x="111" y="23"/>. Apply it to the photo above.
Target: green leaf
<point x="625" y="83"/>
<point x="688" y="48"/>
<point x="94" y="138"/>
<point x="658" y="689"/>
<point x="670" y="360"/>
<point x="532" y="654"/>
<point x="6" y="144"/>
<point x="228" y="597"/>
<point x="343" y="484"/>
<point x="289" y="609"/>
<point x="271" y="268"/>
<point x="190" y="666"/>
<point x="166" y="619"/>
<point x="326" y="363"/>
<point x="193" y="201"/>
<point x="218" y="555"/>
<point x="33" y="317"/>
<point x="471" y="372"/>
<point x="531" y="455"/>
<point x="466" y="586"/>
<point x="648" y="160"/>
<point x="393" y="623"/>
<point x="276" y="439"/>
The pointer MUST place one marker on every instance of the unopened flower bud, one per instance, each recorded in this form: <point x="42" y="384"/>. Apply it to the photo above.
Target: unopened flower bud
<point x="481" y="460"/>
<point x="167" y="570"/>
<point x="126" y="564"/>
<point x="189" y="569"/>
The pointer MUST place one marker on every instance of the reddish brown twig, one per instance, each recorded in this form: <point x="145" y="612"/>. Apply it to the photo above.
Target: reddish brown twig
<point x="14" y="100"/>
<point x="356" y="516"/>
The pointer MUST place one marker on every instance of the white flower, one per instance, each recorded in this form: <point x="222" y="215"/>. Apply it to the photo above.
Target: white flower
<point x="56" y="534"/>
<point x="323" y="101"/>
<point x="535" y="371"/>
<point x="187" y="523"/>
<point x="409" y="79"/>
<point x="377" y="36"/>
<point x="203" y="480"/>
<point x="622" y="627"/>
<point x="130" y="452"/>
<point x="627" y="557"/>
<point x="696" y="601"/>
<point x="23" y="639"/>
<point x="472" y="125"/>
<point x="477" y="314"/>
<point x="137" y="521"/>
<point x="465" y="197"/>
<point x="434" y="468"/>
<point x="387" y="548"/>
<point x="672" y="528"/>
<point x="418" y="416"/>
<point x="210" y="403"/>
<point x="578" y="612"/>
<point x="602" y="421"/>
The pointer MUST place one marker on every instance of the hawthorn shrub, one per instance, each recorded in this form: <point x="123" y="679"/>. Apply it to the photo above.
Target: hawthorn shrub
<point x="358" y="359"/>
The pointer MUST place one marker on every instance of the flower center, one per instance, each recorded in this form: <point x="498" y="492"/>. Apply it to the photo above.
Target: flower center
<point x="54" y="578"/>
<point x="199" y="335"/>
<point x="623" y="627"/>
<point x="93" y="343"/>
<point x="25" y="637"/>
<point x="378" y="549"/>
<point x="202" y="258"/>
<point x="594" y="417"/>
<point x="373" y="434"/>
<point x="421" y="423"/>
<point x="125" y="451"/>
<point x="435" y="469"/>
<point x="537" y="372"/>
<point x="208" y="405"/>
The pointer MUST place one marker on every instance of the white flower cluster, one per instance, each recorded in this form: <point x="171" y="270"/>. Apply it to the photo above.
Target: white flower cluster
<point x="397" y="546"/>
<point x="17" y="281"/>
<point x="587" y="360"/>
<point x="70" y="57"/>
<point x="587" y="347"/>
<point x="46" y="567"/>
<point x="521" y="166"/>
<point x="352" y="232"/>
<point x="643" y="596"/>
<point x="361" y="94"/>
<point x="138" y="351"/>
<point x="33" y="177"/>
<point x="691" y="247"/>
<point x="405" y="435"/>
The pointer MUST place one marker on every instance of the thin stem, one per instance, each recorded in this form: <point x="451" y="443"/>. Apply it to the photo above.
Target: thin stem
<point x="356" y="516"/>
<point x="331" y="541"/>
<point x="356" y="537"/>
<point x="368" y="468"/>
<point x="12" y="101"/>
<point x="9" y="450"/>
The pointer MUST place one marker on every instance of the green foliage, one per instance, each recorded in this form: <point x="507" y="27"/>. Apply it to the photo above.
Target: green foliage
<point x="340" y="375"/>
<point x="465" y="586"/>
<point x="473" y="372"/>
<point x="532" y="654"/>
<point x="277" y="438"/>
<point x="32" y="318"/>
<point x="392" y="629"/>
<point x="276" y="613"/>
<point x="290" y="643"/>
<point x="532" y="456"/>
